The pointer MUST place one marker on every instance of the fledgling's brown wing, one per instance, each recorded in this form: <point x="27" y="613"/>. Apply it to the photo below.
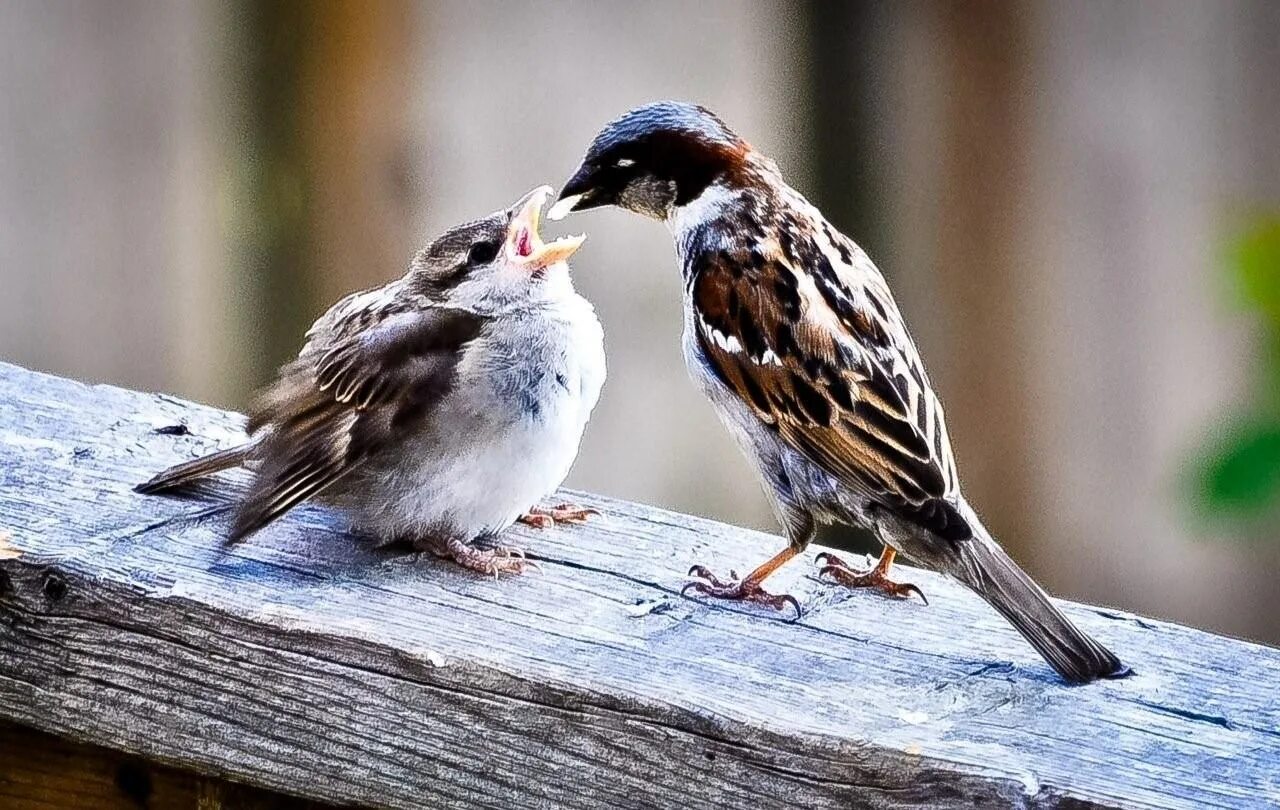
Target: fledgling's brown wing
<point x="812" y="341"/>
<point x="356" y="388"/>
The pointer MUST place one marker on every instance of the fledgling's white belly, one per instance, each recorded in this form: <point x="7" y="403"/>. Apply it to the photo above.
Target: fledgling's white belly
<point x="504" y="439"/>
<point x="473" y="483"/>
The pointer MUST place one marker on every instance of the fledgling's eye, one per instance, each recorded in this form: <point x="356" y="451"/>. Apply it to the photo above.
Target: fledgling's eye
<point x="482" y="253"/>
<point x="624" y="163"/>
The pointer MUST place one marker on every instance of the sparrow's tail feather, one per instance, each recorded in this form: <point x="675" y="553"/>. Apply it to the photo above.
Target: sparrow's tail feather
<point x="182" y="474"/>
<point x="985" y="568"/>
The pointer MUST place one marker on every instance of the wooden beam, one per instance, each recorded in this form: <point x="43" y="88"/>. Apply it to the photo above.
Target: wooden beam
<point x="307" y="663"/>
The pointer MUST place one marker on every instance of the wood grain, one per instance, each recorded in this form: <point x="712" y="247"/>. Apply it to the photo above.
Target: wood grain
<point x="307" y="663"/>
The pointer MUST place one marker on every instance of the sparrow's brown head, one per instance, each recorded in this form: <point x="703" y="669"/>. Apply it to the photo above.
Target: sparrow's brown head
<point x="498" y="260"/>
<point x="652" y="159"/>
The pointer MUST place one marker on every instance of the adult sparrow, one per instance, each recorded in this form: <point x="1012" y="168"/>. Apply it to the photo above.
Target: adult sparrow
<point x="435" y="409"/>
<point x="792" y="333"/>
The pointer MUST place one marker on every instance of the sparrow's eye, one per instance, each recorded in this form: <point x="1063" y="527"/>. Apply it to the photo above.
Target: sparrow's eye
<point x="482" y="253"/>
<point x="624" y="163"/>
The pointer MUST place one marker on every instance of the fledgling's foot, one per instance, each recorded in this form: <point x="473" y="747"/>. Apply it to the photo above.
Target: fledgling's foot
<point x="490" y="562"/>
<point x="744" y="590"/>
<point x="540" y="518"/>
<point x="876" y="577"/>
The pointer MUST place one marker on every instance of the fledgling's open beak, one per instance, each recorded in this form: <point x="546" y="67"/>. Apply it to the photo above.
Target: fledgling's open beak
<point x="524" y="243"/>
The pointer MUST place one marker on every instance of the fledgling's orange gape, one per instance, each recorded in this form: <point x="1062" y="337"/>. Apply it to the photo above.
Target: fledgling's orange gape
<point x="439" y="408"/>
<point x="792" y="333"/>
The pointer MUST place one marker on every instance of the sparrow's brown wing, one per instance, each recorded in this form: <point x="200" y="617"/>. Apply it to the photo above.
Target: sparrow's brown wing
<point x="346" y="397"/>
<point x="815" y="345"/>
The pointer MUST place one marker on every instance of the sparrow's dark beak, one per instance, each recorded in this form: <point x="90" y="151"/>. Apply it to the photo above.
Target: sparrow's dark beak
<point x="578" y="194"/>
<point x="524" y="242"/>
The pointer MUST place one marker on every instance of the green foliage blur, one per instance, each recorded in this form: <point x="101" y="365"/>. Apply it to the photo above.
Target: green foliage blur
<point x="1238" y="475"/>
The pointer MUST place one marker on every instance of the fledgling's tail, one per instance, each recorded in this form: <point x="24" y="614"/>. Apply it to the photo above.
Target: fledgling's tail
<point x="985" y="568"/>
<point x="182" y="474"/>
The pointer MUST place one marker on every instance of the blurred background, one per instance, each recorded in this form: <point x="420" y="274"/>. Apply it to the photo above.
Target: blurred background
<point x="1076" y="203"/>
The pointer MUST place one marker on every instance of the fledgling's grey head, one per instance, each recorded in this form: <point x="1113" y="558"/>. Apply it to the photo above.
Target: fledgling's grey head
<point x="652" y="159"/>
<point x="498" y="262"/>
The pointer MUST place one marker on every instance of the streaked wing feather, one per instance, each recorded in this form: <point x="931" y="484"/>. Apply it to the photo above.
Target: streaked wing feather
<point x="343" y="400"/>
<point x="835" y="374"/>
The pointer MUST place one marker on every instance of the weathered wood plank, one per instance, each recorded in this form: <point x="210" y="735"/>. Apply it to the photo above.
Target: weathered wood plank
<point x="307" y="663"/>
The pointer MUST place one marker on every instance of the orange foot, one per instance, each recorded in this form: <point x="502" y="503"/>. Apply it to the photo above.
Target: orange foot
<point x="540" y="518"/>
<point x="491" y="562"/>
<point x="744" y="590"/>
<point x="747" y="589"/>
<point x="877" y="577"/>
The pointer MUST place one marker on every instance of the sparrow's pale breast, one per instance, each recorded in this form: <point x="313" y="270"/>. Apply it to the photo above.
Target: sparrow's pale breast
<point x="514" y="422"/>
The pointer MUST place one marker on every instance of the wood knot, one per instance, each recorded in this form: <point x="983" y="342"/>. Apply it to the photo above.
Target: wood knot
<point x="55" y="587"/>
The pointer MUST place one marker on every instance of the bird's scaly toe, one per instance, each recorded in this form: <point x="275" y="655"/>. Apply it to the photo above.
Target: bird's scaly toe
<point x="569" y="513"/>
<point x="537" y="520"/>
<point x="708" y="584"/>
<point x="490" y="562"/>
<point x="876" y="578"/>
<point x="541" y="518"/>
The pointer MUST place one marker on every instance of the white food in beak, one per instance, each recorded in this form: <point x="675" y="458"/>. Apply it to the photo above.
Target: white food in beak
<point x="561" y="209"/>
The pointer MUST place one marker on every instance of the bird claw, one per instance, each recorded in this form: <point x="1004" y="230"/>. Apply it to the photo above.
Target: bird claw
<point x="708" y="584"/>
<point x="512" y="560"/>
<point x="540" y="518"/>
<point x="495" y="561"/>
<point x="537" y="521"/>
<point x="701" y="572"/>
<point x="567" y="512"/>
<point x="875" y="578"/>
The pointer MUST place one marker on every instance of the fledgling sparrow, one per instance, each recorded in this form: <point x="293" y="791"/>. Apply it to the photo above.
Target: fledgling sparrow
<point x="436" y="409"/>
<point x="792" y="333"/>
